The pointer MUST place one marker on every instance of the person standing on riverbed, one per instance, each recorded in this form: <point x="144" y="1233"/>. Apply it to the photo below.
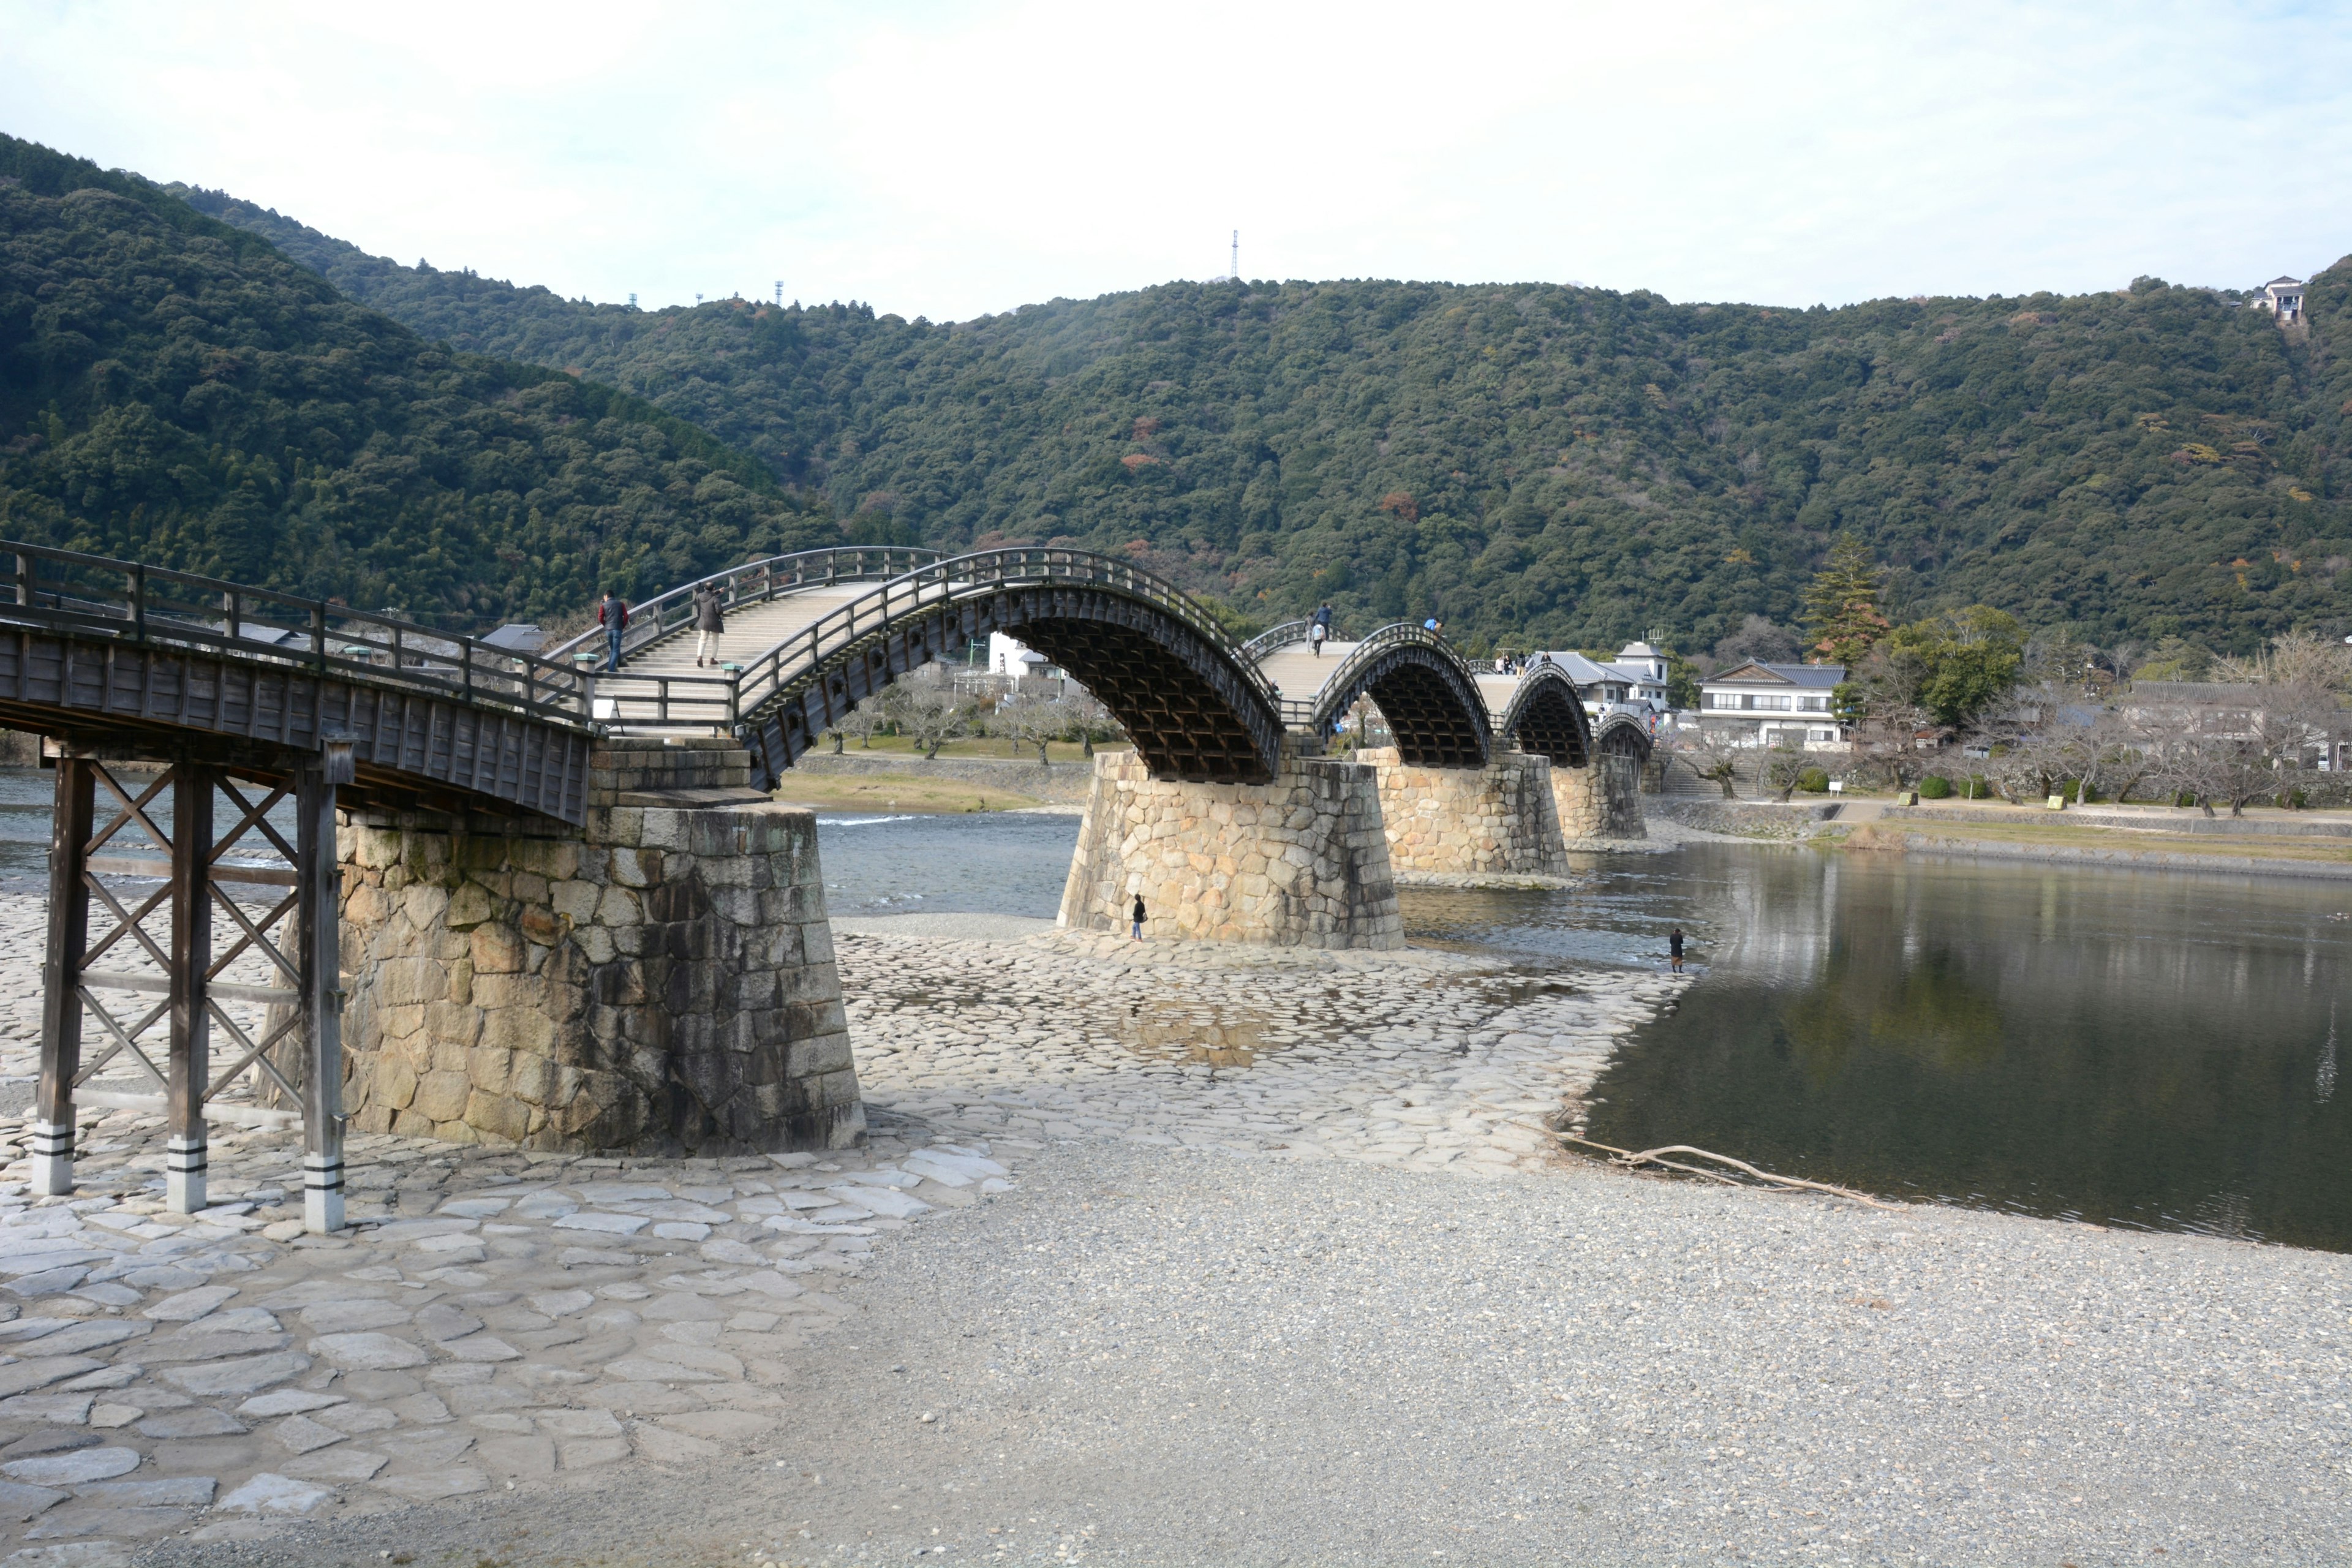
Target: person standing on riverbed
<point x="1139" y="917"/>
<point x="1674" y="947"/>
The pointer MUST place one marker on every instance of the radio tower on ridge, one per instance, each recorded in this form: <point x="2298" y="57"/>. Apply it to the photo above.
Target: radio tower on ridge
<point x="1236" y="274"/>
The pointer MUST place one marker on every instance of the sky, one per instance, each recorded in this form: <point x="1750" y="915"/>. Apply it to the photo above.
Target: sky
<point x="954" y="160"/>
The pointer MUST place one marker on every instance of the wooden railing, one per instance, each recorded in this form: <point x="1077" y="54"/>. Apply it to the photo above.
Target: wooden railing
<point x="666" y="615"/>
<point x="732" y="698"/>
<point x="133" y="603"/>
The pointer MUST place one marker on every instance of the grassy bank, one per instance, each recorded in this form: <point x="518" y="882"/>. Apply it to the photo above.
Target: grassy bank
<point x="2072" y="840"/>
<point x="896" y="792"/>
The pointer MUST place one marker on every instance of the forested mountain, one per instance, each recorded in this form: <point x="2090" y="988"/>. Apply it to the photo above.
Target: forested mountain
<point x="173" y="388"/>
<point x="1528" y="461"/>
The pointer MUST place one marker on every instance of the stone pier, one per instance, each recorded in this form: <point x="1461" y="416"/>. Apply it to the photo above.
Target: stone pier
<point x="662" y="982"/>
<point x="1298" y="862"/>
<point x="1499" y="820"/>
<point x="1602" y="800"/>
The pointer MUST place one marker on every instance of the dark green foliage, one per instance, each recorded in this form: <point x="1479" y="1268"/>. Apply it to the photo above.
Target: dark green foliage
<point x="1935" y="787"/>
<point x="173" y="388"/>
<point x="1551" y="467"/>
<point x="1814" y="781"/>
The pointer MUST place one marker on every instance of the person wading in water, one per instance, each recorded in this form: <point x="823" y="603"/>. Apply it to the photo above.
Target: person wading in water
<point x="1674" y="947"/>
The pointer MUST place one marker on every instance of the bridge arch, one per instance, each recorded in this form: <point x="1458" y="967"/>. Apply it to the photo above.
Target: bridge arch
<point x="1621" y="735"/>
<point x="1546" y="716"/>
<point x="1196" y="710"/>
<point x="1426" y="693"/>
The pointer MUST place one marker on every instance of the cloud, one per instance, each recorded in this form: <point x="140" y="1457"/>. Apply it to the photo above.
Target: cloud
<point x="950" y="160"/>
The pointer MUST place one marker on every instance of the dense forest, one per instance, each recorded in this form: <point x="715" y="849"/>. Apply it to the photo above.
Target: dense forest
<point x="174" y="388"/>
<point x="1534" y="463"/>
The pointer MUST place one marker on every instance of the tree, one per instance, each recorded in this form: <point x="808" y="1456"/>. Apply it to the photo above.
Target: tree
<point x="1953" y="666"/>
<point x="1842" y="614"/>
<point x="863" y="720"/>
<point x="928" y="708"/>
<point x="1030" y="717"/>
<point x="1712" y="754"/>
<point x="1757" y="638"/>
<point x="1785" y="766"/>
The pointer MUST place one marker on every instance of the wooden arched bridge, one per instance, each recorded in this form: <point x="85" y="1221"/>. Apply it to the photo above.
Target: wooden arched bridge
<point x="244" y="702"/>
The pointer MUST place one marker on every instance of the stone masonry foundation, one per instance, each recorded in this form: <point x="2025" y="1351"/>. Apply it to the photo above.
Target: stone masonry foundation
<point x="663" y="983"/>
<point x="1299" y="862"/>
<point x="1498" y="819"/>
<point x="1601" y="801"/>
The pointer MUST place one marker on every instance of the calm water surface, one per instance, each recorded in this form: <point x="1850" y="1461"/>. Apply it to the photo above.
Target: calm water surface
<point x="2135" y="1049"/>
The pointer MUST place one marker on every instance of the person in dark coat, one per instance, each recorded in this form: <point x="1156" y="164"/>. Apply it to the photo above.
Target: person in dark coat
<point x="1674" y="947"/>
<point x="613" y="614"/>
<point x="1318" y="631"/>
<point x="1139" y="917"/>
<point x="708" y="621"/>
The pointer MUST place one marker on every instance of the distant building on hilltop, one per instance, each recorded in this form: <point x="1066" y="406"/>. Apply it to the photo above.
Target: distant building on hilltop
<point x="2281" y="296"/>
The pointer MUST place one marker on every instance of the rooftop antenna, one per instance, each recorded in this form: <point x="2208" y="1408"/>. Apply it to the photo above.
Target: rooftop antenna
<point x="1237" y="273"/>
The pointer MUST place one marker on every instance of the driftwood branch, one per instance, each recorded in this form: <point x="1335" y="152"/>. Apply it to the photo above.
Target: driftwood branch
<point x="1655" y="1157"/>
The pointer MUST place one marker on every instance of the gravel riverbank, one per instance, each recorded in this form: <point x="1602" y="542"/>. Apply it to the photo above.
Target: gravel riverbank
<point x="1162" y="1254"/>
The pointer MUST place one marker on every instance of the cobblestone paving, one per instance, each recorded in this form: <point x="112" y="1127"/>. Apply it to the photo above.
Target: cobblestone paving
<point x="498" y="1319"/>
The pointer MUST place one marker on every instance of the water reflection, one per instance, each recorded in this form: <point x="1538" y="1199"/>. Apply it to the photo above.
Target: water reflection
<point x="2132" y="1048"/>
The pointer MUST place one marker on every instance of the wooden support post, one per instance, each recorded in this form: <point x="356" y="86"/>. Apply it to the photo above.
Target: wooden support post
<point x="52" y="1132"/>
<point x="192" y="955"/>
<point x="319" y="885"/>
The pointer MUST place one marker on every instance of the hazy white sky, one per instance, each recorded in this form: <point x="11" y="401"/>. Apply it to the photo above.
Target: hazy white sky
<point x="950" y="159"/>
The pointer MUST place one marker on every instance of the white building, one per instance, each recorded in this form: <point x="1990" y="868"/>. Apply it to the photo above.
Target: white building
<point x="1017" y="662"/>
<point x="1636" y="677"/>
<point x="2281" y="296"/>
<point x="1777" y="704"/>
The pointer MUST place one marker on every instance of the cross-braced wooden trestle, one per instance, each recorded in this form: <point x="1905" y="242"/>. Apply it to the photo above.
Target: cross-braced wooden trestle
<point x="142" y="970"/>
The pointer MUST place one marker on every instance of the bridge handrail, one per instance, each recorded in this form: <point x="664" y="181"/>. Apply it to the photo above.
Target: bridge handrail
<point x="1273" y="638"/>
<point x="152" y="607"/>
<point x="1364" y="652"/>
<point x="671" y="612"/>
<point x="734" y="697"/>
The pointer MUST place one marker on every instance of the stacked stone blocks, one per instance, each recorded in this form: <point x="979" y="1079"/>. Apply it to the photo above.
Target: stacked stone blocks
<point x="1602" y="800"/>
<point x="1299" y="862"/>
<point x="1497" y="820"/>
<point x="663" y="981"/>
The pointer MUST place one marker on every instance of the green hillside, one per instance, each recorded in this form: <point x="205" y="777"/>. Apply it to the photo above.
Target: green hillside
<point x="1560" y="465"/>
<point x="173" y="388"/>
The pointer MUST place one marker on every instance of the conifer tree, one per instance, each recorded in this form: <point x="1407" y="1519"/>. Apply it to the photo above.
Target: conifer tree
<point x="1842" y="605"/>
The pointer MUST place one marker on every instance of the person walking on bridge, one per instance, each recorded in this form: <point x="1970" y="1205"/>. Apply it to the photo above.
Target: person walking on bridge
<point x="708" y="621"/>
<point x="613" y="614"/>
<point x="1320" y="629"/>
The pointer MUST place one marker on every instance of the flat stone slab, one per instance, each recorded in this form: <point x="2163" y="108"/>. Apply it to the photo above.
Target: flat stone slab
<point x="369" y="1352"/>
<point x="73" y="1468"/>
<point x="612" y="1223"/>
<point x="20" y="1503"/>
<point x="164" y="1491"/>
<point x="271" y="1493"/>
<point x="429" y="1486"/>
<point x="189" y="1305"/>
<point x="302" y="1435"/>
<point x="249" y="1374"/>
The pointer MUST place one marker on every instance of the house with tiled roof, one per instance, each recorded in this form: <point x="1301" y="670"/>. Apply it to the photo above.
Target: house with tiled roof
<point x="1775" y="704"/>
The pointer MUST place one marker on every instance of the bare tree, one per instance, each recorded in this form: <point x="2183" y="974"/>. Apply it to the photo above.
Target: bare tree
<point x="1030" y="717"/>
<point x="1757" y="638"/>
<point x="863" y="721"/>
<point x="1712" y="754"/>
<point x="1785" y="766"/>
<point x="927" y="708"/>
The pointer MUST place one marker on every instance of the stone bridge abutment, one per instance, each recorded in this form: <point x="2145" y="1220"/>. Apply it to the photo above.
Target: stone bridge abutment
<point x="1299" y="861"/>
<point x="1496" y="820"/>
<point x="660" y="981"/>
